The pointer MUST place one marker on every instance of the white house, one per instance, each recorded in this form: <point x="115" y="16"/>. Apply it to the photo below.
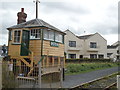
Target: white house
<point x="113" y="51"/>
<point x="73" y="45"/>
<point x="87" y="46"/>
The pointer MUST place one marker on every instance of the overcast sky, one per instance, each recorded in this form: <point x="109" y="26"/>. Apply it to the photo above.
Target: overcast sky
<point x="78" y="16"/>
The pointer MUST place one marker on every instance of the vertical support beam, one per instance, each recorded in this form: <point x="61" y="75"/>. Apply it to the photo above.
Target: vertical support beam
<point x="43" y="63"/>
<point x="39" y="76"/>
<point x="59" y="60"/>
<point x="31" y="59"/>
<point x="64" y="62"/>
<point x="53" y="61"/>
<point x="47" y="62"/>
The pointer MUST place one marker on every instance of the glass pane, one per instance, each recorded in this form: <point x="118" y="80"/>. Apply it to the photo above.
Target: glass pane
<point x="45" y="34"/>
<point x="18" y="33"/>
<point x="51" y="35"/>
<point x="15" y="33"/>
<point x="60" y="38"/>
<point x="56" y="37"/>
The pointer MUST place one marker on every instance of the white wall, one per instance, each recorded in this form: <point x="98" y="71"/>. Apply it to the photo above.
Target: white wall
<point x="83" y="45"/>
<point x="101" y="45"/>
<point x="72" y="50"/>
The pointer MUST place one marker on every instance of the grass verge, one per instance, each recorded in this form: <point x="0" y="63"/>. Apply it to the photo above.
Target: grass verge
<point x="79" y="68"/>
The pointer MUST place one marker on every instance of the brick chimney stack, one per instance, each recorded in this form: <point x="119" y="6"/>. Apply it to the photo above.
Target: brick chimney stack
<point x="21" y="16"/>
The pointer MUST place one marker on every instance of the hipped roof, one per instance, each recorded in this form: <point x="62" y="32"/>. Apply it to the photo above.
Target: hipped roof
<point x="34" y="23"/>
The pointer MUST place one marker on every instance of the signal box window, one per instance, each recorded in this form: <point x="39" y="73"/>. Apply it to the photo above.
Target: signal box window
<point x="17" y="36"/>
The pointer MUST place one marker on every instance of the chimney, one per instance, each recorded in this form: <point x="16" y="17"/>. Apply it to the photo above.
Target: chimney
<point x="21" y="16"/>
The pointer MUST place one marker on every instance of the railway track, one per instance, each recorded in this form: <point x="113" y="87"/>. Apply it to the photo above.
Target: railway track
<point x="105" y="83"/>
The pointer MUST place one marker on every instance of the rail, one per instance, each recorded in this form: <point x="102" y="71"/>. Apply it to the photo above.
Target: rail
<point x="86" y="85"/>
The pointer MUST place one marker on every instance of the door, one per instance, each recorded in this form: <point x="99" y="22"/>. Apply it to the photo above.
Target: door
<point x="25" y="43"/>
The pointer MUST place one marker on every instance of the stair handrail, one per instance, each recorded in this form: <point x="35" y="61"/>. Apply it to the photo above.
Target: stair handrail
<point x="41" y="59"/>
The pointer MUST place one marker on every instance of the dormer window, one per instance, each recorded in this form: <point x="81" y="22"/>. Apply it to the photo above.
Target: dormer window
<point x="35" y="34"/>
<point x="17" y="34"/>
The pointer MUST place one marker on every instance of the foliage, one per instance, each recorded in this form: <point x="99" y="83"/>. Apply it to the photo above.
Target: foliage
<point x="86" y="60"/>
<point x="73" y="68"/>
<point x="8" y="78"/>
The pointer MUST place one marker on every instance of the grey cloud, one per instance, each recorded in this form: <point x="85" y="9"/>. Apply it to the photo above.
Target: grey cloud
<point x="64" y="7"/>
<point x="105" y="29"/>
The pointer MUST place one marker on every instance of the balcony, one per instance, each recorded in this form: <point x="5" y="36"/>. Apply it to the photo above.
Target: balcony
<point x="73" y="48"/>
<point x="93" y="49"/>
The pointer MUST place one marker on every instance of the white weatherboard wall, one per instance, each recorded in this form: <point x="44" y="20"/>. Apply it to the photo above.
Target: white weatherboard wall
<point x="101" y="46"/>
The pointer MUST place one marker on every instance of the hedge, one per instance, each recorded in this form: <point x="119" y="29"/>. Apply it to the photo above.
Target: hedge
<point x="87" y="60"/>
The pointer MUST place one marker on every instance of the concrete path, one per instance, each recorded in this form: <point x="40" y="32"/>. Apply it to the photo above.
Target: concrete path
<point x="73" y="80"/>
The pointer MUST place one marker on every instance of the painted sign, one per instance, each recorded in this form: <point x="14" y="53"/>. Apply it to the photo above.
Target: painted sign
<point x="54" y="44"/>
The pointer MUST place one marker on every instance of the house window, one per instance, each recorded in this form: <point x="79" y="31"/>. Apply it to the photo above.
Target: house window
<point x="93" y="45"/>
<point x="101" y="56"/>
<point x="118" y="51"/>
<point x="71" y="55"/>
<point x="93" y="55"/>
<point x="72" y="43"/>
<point x="109" y="54"/>
<point x="17" y="36"/>
<point x="35" y="34"/>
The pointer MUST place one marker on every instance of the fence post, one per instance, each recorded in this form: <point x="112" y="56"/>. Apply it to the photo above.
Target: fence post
<point x="0" y="73"/>
<point x="39" y="76"/>
<point x="118" y="82"/>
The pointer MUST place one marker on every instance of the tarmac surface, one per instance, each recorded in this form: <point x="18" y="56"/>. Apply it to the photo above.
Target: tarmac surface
<point x="73" y="80"/>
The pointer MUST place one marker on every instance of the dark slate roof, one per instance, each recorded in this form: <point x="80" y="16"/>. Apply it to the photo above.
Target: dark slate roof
<point x="85" y="36"/>
<point x="34" y="23"/>
<point x="112" y="46"/>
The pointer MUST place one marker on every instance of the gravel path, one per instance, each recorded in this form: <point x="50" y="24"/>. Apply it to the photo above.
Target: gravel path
<point x="73" y="80"/>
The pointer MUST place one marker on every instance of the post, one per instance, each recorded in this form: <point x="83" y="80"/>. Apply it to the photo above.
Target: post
<point x="61" y="73"/>
<point x="36" y="9"/>
<point x="1" y="73"/>
<point x="52" y="60"/>
<point x="118" y="82"/>
<point x="59" y="60"/>
<point x="37" y="1"/>
<point x="39" y="76"/>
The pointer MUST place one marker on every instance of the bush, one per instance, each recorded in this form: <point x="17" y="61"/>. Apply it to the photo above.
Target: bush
<point x="86" y="60"/>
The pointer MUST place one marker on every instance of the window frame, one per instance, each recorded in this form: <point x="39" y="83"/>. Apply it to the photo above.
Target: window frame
<point x="35" y="33"/>
<point x="93" y="44"/>
<point x="71" y="44"/>
<point x="10" y="35"/>
<point x="17" y="37"/>
<point x="51" y="36"/>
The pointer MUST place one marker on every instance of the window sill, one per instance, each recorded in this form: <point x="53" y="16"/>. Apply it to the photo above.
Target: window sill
<point x="36" y="39"/>
<point x="16" y="43"/>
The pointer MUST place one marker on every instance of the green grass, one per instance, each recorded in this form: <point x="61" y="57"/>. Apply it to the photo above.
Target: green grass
<point x="87" y="67"/>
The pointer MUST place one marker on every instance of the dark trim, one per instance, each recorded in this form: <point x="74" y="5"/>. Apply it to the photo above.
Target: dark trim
<point x="35" y="39"/>
<point x="16" y="44"/>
